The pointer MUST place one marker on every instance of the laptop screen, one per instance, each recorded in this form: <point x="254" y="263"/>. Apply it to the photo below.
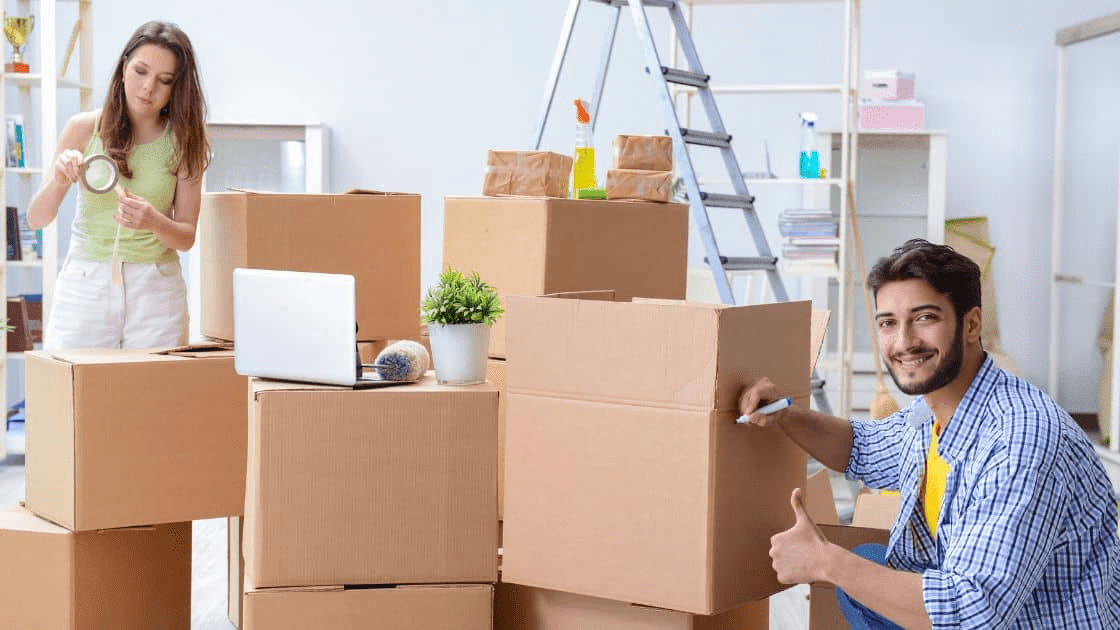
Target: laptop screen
<point x="294" y="325"/>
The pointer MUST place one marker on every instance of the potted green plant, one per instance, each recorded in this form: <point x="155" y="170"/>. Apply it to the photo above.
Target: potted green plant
<point x="459" y="311"/>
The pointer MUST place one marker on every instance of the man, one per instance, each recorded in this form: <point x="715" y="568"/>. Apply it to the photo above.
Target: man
<point x="1008" y="519"/>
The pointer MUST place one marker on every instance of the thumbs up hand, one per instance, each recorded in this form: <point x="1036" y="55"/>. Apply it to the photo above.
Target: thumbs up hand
<point x="798" y="553"/>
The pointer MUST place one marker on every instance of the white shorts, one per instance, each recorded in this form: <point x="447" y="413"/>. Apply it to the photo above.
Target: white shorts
<point x="147" y="310"/>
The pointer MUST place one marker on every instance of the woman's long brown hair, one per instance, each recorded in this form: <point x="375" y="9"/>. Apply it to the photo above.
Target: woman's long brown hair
<point x="185" y="112"/>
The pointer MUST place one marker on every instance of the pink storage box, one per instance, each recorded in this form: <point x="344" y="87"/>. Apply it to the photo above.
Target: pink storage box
<point x="890" y="85"/>
<point x="891" y="114"/>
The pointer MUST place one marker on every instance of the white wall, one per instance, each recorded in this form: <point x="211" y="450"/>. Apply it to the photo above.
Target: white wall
<point x="415" y="92"/>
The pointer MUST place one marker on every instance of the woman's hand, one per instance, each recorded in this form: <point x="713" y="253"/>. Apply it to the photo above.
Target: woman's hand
<point x="135" y="212"/>
<point x="68" y="167"/>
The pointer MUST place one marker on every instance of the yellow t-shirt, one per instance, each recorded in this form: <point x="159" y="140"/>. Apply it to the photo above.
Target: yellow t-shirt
<point x="933" y="486"/>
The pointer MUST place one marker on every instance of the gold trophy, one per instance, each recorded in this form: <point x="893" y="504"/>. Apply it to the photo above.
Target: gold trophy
<point x="17" y="30"/>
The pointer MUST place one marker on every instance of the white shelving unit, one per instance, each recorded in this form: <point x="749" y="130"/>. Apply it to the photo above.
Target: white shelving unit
<point x="847" y="92"/>
<point x="1082" y="191"/>
<point x="35" y="96"/>
<point x="901" y="194"/>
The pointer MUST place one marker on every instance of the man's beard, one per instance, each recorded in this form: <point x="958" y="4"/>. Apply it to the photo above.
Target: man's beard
<point x="947" y="370"/>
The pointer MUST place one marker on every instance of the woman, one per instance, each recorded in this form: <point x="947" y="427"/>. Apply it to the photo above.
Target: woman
<point x="153" y="127"/>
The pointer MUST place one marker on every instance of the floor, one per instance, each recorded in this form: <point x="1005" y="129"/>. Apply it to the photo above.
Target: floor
<point x="789" y="610"/>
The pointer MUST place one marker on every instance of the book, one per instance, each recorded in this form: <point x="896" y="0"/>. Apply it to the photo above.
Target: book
<point x="28" y="240"/>
<point x="16" y="148"/>
<point x="12" y="234"/>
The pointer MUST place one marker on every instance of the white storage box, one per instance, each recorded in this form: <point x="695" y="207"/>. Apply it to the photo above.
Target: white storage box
<point x="888" y="85"/>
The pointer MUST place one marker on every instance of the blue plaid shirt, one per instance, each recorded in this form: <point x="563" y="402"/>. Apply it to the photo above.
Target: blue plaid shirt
<point x="1027" y="536"/>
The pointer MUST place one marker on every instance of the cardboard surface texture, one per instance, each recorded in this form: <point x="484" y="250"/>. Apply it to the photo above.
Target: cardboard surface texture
<point x="373" y="236"/>
<point x="639" y="184"/>
<point x="117" y="438"/>
<point x="651" y="153"/>
<point x="876" y="513"/>
<point x="361" y="487"/>
<point x="463" y="607"/>
<point x="496" y="376"/>
<point x="235" y="570"/>
<point x="124" y="579"/>
<point x="527" y="173"/>
<point x="537" y="246"/>
<point x="626" y="475"/>
<point x="527" y="608"/>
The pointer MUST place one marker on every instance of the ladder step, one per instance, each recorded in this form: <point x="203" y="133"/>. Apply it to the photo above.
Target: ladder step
<point x="684" y="77"/>
<point x="706" y="138"/>
<point x="648" y="3"/>
<point x="722" y="200"/>
<point x="747" y="263"/>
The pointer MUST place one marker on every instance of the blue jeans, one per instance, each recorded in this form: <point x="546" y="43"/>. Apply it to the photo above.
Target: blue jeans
<point x="859" y="616"/>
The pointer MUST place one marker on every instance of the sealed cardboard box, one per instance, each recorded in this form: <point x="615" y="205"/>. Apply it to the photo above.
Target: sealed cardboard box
<point x="527" y="173"/>
<point x="396" y="485"/>
<point x="871" y="523"/>
<point x="374" y="237"/>
<point x="527" y="608"/>
<point x="124" y="579"/>
<point x="496" y="376"/>
<point x="639" y="185"/>
<point x="621" y="444"/>
<point x="462" y="607"/>
<point x="117" y="438"/>
<point x="651" y="153"/>
<point x="541" y="246"/>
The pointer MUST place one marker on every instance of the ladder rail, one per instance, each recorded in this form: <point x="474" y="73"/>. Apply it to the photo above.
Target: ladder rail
<point x="554" y="71"/>
<point x="604" y="65"/>
<point x="684" y="160"/>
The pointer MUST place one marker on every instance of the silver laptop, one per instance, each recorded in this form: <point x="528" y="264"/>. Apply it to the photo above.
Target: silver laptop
<point x="297" y="326"/>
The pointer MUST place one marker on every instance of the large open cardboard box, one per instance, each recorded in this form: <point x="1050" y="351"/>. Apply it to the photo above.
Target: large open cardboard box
<point x="541" y="245"/>
<point x="374" y="237"/>
<point x="121" y="579"/>
<point x="432" y="607"/>
<point x="527" y="608"/>
<point x="627" y="477"/>
<point x="379" y="486"/>
<point x="117" y="438"/>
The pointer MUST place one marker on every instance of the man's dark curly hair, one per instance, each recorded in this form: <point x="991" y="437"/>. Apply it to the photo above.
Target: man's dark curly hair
<point x="947" y="271"/>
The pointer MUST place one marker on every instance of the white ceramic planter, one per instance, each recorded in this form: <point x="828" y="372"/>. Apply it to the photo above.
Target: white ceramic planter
<point x="459" y="353"/>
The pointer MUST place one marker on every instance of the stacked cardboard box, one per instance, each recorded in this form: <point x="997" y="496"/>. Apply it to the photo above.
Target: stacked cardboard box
<point x="373" y="236"/>
<point x="370" y="504"/>
<point x="124" y="449"/>
<point x="627" y="478"/>
<point x="536" y="246"/>
<point x="526" y="173"/>
<point x="643" y="168"/>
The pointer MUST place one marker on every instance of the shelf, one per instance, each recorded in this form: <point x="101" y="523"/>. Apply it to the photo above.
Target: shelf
<point x="26" y="80"/>
<point x="733" y="2"/>
<point x="22" y="170"/>
<point x="792" y="88"/>
<point x="26" y="264"/>
<point x="781" y="181"/>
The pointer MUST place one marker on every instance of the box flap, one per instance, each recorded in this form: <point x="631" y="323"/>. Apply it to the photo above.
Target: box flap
<point x="206" y="348"/>
<point x="818" y="327"/>
<point x="605" y="295"/>
<point x="876" y="510"/>
<point x="258" y="386"/>
<point x="818" y="499"/>
<point x="98" y="356"/>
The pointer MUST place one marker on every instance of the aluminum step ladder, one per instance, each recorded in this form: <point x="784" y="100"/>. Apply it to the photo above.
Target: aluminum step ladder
<point x="683" y="138"/>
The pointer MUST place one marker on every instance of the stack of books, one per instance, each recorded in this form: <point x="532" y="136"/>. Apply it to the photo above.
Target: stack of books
<point x="810" y="240"/>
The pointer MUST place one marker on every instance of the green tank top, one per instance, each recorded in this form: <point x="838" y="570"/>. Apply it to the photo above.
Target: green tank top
<point x="94" y="229"/>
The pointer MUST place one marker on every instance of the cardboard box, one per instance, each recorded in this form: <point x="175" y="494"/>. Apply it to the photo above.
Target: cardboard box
<point x="496" y="376"/>
<point x="527" y="173"/>
<point x="627" y="477"/>
<point x="526" y="608"/>
<point x="462" y="607"/>
<point x="117" y="438"/>
<point x="374" y="237"/>
<point x="123" y="579"/>
<point x="639" y="185"/>
<point x="396" y="485"/>
<point x="650" y="153"/>
<point x="874" y="514"/>
<point x="235" y="570"/>
<point x="542" y="246"/>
